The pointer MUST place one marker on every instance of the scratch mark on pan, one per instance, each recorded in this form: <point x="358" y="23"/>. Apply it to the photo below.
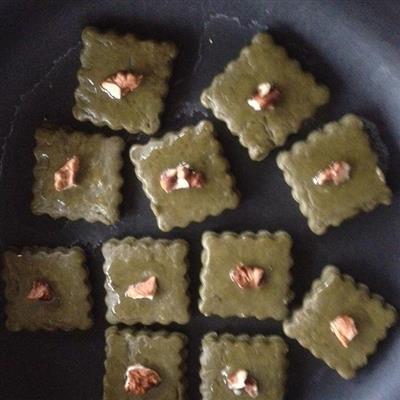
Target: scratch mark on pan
<point x="22" y="98"/>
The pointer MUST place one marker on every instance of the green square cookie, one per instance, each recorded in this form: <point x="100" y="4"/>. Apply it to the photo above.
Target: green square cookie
<point x="333" y="295"/>
<point x="65" y="305"/>
<point x="106" y="54"/>
<point x="162" y="352"/>
<point x="262" y="357"/>
<point x="132" y="261"/>
<point x="263" y="62"/>
<point x="196" y="146"/>
<point x="96" y="195"/>
<point x="329" y="204"/>
<point x="222" y="253"/>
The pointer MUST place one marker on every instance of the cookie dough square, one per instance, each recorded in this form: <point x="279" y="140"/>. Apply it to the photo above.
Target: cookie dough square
<point x="329" y="204"/>
<point x="196" y="146"/>
<point x="162" y="352"/>
<point x="130" y="261"/>
<point x="96" y="196"/>
<point x="220" y="295"/>
<point x="64" y="272"/>
<point x="106" y="54"/>
<point x="263" y="357"/>
<point x="336" y="294"/>
<point x="260" y="131"/>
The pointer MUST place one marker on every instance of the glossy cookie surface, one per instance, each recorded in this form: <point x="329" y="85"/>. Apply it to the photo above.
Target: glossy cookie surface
<point x="351" y="47"/>
<point x="105" y="54"/>
<point x="263" y="130"/>
<point x="64" y="270"/>
<point x="329" y="204"/>
<point x="263" y="357"/>
<point x="268" y="251"/>
<point x="197" y="146"/>
<point x="96" y="196"/>
<point x="161" y="351"/>
<point x="130" y="261"/>
<point x="337" y="294"/>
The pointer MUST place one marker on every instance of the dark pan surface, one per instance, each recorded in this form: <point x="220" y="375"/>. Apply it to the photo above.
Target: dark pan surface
<point x="352" y="46"/>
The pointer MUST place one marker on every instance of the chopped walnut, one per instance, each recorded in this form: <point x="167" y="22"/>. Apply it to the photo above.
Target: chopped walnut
<point x="337" y="172"/>
<point x="121" y="84"/>
<point x="265" y="97"/>
<point x="65" y="177"/>
<point x="168" y="180"/>
<point x="181" y="177"/>
<point x="41" y="290"/>
<point x="344" y="328"/>
<point x="251" y="387"/>
<point x="240" y="381"/>
<point x="247" y="277"/>
<point x="143" y="290"/>
<point x="139" y="379"/>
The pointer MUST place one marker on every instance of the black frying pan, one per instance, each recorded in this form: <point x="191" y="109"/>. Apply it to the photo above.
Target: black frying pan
<point x="352" y="46"/>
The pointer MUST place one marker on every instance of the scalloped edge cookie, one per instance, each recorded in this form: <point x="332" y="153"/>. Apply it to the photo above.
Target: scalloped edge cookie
<point x="300" y="194"/>
<point x="140" y="152"/>
<point x="128" y="333"/>
<point x="107" y="217"/>
<point x="213" y="337"/>
<point x="292" y="324"/>
<point x="282" y="236"/>
<point x="84" y="321"/>
<point x="82" y="109"/>
<point x="128" y="245"/>
<point x="260" y="145"/>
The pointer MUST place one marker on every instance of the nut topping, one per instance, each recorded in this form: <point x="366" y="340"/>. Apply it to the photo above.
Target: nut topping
<point x="121" y="84"/>
<point x="265" y="97"/>
<point x="240" y="381"/>
<point x="143" y="290"/>
<point x="41" y="290"/>
<point x="65" y="177"/>
<point x="344" y="328"/>
<point x="247" y="277"/>
<point x="251" y="387"/>
<point x="181" y="177"/>
<point x="139" y="379"/>
<point x="337" y="172"/>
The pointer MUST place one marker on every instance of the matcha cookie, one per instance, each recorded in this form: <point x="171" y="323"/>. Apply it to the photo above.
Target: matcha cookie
<point x="77" y="175"/>
<point x="263" y="96"/>
<point x="246" y="275"/>
<point x="340" y="322"/>
<point x="233" y="367"/>
<point x="146" y="281"/>
<point x="46" y="289"/>
<point x="144" y="365"/>
<point x="334" y="174"/>
<point x="122" y="81"/>
<point x="185" y="176"/>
